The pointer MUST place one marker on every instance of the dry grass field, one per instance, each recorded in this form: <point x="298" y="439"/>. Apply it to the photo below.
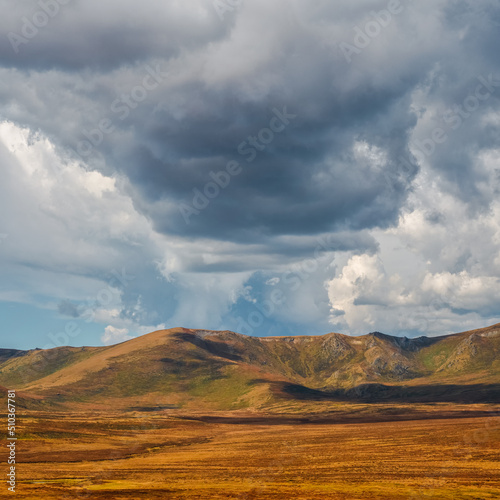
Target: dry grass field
<point x="346" y="454"/>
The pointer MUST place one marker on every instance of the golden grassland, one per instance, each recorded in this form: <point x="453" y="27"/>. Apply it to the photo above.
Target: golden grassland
<point x="348" y="451"/>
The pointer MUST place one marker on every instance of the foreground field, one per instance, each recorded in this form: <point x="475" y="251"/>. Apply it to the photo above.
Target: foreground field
<point x="157" y="455"/>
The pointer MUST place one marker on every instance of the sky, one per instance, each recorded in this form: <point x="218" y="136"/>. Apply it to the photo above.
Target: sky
<point x="271" y="168"/>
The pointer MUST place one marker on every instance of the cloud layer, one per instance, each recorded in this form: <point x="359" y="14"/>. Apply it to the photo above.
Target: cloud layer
<point x="343" y="155"/>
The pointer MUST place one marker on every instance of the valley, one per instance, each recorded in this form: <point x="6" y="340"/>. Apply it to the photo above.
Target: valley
<point x="197" y="414"/>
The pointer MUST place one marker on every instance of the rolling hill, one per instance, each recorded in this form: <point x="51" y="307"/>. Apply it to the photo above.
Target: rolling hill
<point x="183" y="368"/>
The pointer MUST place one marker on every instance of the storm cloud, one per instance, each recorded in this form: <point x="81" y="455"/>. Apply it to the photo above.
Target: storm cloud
<point x="211" y="147"/>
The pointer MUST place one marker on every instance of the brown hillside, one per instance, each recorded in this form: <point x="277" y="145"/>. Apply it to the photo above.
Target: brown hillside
<point x="226" y="370"/>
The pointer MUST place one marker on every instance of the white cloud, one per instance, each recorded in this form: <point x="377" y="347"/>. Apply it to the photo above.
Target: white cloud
<point x="73" y="234"/>
<point x="272" y="281"/>
<point x="437" y="271"/>
<point x="61" y="216"/>
<point x="363" y="274"/>
<point x="114" y="335"/>
<point x="463" y="291"/>
<point x="205" y="298"/>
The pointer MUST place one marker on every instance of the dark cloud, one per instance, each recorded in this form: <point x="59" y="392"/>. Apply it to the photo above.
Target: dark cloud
<point x="238" y="141"/>
<point x="213" y="99"/>
<point x="75" y="35"/>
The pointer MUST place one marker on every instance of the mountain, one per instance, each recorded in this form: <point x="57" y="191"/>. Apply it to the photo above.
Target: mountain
<point x="183" y="368"/>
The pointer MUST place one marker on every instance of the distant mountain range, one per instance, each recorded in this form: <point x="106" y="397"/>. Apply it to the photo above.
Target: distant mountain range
<point x="201" y="369"/>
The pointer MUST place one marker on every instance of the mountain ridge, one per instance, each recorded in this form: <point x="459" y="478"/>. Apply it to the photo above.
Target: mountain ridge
<point x="228" y="370"/>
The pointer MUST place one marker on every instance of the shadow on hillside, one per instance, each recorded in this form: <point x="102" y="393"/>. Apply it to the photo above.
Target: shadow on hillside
<point x="379" y="393"/>
<point x="345" y="418"/>
<point x="220" y="349"/>
<point x="409" y="344"/>
<point x="153" y="408"/>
